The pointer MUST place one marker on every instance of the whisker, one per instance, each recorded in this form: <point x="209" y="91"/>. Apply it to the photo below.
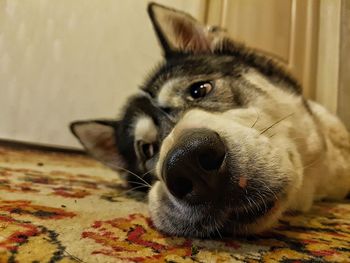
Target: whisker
<point x="309" y="164"/>
<point x="134" y="174"/>
<point x="313" y="162"/>
<point x="139" y="183"/>
<point x="251" y="209"/>
<point x="266" y="187"/>
<point x="148" y="172"/>
<point x="277" y="122"/>
<point x="257" y="118"/>
<point x="170" y="118"/>
<point x="263" y="200"/>
<point x="272" y="192"/>
<point x="131" y="190"/>
<point x="167" y="115"/>
<point x="252" y="203"/>
<point x="245" y="208"/>
<point x="257" y="204"/>
<point x="217" y="229"/>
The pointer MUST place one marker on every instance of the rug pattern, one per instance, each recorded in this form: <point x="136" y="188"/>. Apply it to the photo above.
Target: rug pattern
<point x="57" y="207"/>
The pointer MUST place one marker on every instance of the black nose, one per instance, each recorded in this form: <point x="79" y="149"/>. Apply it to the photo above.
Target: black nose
<point x="194" y="168"/>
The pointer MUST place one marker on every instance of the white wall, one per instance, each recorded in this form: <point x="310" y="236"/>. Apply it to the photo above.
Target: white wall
<point x="62" y="60"/>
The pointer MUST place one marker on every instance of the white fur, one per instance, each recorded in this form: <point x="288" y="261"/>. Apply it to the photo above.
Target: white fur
<point x="166" y="96"/>
<point x="145" y="129"/>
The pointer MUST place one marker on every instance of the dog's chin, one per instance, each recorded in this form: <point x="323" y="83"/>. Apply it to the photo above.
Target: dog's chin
<point x="174" y="217"/>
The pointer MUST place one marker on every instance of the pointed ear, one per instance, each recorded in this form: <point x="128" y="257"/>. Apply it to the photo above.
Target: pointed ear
<point x="180" y="32"/>
<point x="99" y="140"/>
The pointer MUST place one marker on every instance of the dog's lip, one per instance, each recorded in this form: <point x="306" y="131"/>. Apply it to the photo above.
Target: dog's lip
<point x="242" y="214"/>
<point x="249" y="213"/>
<point x="245" y="213"/>
<point x="213" y="218"/>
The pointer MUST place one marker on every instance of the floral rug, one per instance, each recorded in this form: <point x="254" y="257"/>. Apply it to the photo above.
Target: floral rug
<point x="65" y="207"/>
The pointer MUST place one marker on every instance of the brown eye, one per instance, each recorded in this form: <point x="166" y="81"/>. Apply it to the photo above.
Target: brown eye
<point x="146" y="150"/>
<point x="199" y="90"/>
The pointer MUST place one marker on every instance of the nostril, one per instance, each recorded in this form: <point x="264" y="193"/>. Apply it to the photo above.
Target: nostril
<point x="193" y="169"/>
<point x="210" y="161"/>
<point x="180" y="186"/>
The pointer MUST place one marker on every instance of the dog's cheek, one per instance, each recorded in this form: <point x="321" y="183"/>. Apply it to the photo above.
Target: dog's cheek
<point x="272" y="164"/>
<point x="160" y="210"/>
<point x="295" y="196"/>
<point x="268" y="221"/>
<point x="292" y="165"/>
<point x="302" y="189"/>
<point x="155" y="204"/>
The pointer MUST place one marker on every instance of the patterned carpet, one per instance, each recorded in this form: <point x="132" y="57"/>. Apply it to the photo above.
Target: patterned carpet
<point x="59" y="207"/>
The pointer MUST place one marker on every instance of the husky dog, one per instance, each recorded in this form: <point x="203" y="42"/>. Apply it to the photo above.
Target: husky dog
<point x="223" y="134"/>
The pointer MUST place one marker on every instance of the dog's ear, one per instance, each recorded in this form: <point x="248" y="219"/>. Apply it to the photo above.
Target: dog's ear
<point x="99" y="140"/>
<point x="180" y="32"/>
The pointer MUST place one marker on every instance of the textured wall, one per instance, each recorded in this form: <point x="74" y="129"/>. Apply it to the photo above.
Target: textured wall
<point x="62" y="60"/>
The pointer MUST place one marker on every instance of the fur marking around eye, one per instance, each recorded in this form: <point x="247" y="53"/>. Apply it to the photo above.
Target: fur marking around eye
<point x="166" y="96"/>
<point x="145" y="129"/>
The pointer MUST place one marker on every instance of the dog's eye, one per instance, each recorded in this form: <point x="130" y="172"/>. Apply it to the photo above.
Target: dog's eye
<point x="199" y="90"/>
<point x="146" y="150"/>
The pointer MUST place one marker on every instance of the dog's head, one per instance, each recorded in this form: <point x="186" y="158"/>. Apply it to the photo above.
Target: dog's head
<point x="200" y="131"/>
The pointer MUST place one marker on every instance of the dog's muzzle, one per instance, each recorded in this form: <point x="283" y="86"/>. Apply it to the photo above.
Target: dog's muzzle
<point x="195" y="170"/>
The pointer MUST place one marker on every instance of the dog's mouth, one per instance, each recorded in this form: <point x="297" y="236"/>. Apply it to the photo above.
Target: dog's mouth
<point x="253" y="210"/>
<point x="209" y="219"/>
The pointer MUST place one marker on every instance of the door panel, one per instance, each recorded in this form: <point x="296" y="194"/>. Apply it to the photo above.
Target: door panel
<point x="66" y="60"/>
<point x="261" y="24"/>
<point x="287" y="30"/>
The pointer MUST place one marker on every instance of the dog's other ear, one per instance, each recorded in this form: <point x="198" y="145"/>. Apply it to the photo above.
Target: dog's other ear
<point x="99" y="140"/>
<point x="179" y="32"/>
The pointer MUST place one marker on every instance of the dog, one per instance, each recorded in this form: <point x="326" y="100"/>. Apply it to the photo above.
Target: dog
<point x="222" y="134"/>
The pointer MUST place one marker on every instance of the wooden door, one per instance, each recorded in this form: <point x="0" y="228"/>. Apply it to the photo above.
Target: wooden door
<point x="286" y="29"/>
